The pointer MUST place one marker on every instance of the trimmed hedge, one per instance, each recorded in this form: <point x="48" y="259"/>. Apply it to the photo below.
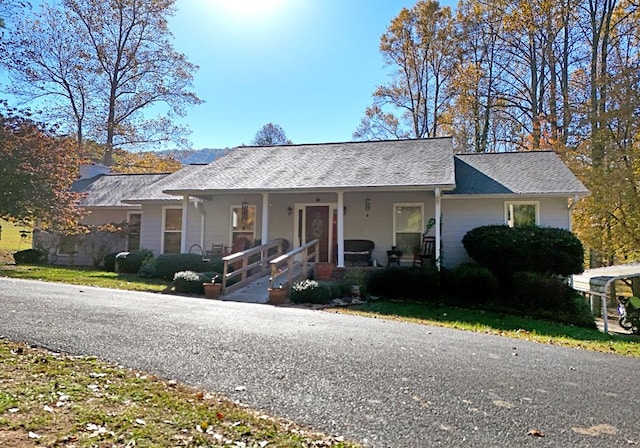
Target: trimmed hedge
<point x="109" y="262"/>
<point x="167" y="265"/>
<point x="311" y="291"/>
<point x="28" y="256"/>
<point x="400" y="282"/>
<point x="190" y="282"/>
<point x="130" y="262"/>
<point x="472" y="284"/>
<point x="505" y="250"/>
<point x="545" y="297"/>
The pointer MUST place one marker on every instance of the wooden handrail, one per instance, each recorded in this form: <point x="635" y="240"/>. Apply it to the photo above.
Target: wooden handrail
<point x="289" y="259"/>
<point x="243" y="258"/>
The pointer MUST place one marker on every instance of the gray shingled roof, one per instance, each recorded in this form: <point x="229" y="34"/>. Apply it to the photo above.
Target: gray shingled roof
<point x="398" y="163"/>
<point x="108" y="190"/>
<point x="531" y="172"/>
<point x="154" y="191"/>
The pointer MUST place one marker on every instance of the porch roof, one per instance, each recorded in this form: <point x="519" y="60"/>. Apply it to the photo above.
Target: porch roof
<point x="530" y="172"/>
<point x="425" y="163"/>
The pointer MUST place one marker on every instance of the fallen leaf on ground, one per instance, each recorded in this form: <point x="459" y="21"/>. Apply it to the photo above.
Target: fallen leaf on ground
<point x="535" y="433"/>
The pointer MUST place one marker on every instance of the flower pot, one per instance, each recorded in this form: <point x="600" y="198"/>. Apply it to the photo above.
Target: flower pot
<point x="277" y="296"/>
<point x="212" y="290"/>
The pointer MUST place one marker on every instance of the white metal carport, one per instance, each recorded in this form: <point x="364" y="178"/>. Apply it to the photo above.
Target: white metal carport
<point x="597" y="282"/>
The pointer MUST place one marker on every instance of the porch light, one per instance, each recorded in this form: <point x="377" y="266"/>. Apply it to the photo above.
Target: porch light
<point x="289" y="210"/>
<point x="367" y="205"/>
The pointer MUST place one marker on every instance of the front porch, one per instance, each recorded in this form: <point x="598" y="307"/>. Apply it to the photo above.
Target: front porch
<point x="392" y="221"/>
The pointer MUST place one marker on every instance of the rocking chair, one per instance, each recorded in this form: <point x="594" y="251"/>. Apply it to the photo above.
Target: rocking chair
<point x="426" y="255"/>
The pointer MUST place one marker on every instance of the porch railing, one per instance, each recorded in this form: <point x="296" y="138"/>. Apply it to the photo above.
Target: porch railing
<point x="294" y="264"/>
<point x="249" y="264"/>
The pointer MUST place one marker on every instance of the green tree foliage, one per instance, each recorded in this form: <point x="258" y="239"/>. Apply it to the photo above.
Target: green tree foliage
<point x="98" y="65"/>
<point x="271" y="135"/>
<point x="36" y="172"/>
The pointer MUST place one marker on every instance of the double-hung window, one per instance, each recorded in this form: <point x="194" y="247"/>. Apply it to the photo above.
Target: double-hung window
<point x="408" y="224"/>
<point x="133" y="236"/>
<point x="172" y="230"/>
<point x="243" y="226"/>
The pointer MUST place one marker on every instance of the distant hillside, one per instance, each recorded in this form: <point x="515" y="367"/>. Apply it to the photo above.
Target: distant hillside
<point x="189" y="156"/>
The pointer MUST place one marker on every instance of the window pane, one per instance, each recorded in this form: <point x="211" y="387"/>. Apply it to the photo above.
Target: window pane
<point x="172" y="243"/>
<point x="408" y="218"/>
<point x="523" y="215"/>
<point x="134" y="231"/>
<point x="173" y="219"/>
<point x="408" y="243"/>
<point x="246" y="221"/>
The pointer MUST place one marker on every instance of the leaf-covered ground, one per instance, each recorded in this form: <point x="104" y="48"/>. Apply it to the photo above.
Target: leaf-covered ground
<point x="56" y="400"/>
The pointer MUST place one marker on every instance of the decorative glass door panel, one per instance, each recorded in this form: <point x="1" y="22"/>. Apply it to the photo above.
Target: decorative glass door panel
<point x="317" y="228"/>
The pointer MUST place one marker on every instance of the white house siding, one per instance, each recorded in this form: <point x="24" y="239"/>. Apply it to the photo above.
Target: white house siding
<point x="375" y="225"/>
<point x="462" y="215"/>
<point x="151" y="231"/>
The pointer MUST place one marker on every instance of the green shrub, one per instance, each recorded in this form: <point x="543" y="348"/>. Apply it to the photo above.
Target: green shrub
<point x="130" y="262"/>
<point x="399" y="282"/>
<point x="311" y="291"/>
<point x="190" y="282"/>
<point x="505" y="250"/>
<point x="337" y="290"/>
<point x="472" y="284"/>
<point x="532" y="291"/>
<point x="109" y="262"/>
<point x="167" y="265"/>
<point x="28" y="256"/>
<point x="148" y="268"/>
<point x="546" y="297"/>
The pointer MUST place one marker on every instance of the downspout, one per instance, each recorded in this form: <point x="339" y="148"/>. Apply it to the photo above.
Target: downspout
<point x="438" y="197"/>
<point x="265" y="218"/>
<point x="340" y="238"/>
<point x="199" y="205"/>
<point x="185" y="222"/>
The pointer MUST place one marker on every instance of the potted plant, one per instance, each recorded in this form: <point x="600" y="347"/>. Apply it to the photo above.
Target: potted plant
<point x="213" y="289"/>
<point x="277" y="296"/>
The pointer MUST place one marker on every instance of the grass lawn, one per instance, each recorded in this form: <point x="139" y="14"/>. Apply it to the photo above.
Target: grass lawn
<point x="11" y="240"/>
<point x="503" y="325"/>
<point x="49" y="399"/>
<point x="84" y="276"/>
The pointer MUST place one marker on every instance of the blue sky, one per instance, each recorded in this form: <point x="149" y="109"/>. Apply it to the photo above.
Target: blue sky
<point x="308" y="65"/>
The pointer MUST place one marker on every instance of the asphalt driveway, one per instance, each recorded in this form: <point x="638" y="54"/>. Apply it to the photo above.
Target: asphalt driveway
<point x="379" y="382"/>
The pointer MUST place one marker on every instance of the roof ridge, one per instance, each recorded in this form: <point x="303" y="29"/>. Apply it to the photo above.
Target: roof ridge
<point x="504" y="152"/>
<point x="293" y="145"/>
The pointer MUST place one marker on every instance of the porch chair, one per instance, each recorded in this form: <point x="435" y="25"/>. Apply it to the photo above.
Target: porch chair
<point x="427" y="253"/>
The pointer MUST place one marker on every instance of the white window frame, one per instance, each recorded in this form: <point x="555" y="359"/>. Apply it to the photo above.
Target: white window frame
<point x="509" y="204"/>
<point x="163" y="229"/>
<point x="406" y="256"/>
<point x="255" y="222"/>
<point x="138" y="212"/>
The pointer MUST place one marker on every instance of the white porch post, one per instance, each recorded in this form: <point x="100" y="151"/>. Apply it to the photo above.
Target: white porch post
<point x="185" y="223"/>
<point x="438" y="212"/>
<point x="265" y="218"/>
<point x="340" y="236"/>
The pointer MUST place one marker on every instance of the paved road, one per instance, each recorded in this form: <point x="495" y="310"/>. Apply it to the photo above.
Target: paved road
<point x="380" y="382"/>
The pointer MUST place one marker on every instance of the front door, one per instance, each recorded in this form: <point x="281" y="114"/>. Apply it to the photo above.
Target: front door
<point x="317" y="228"/>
